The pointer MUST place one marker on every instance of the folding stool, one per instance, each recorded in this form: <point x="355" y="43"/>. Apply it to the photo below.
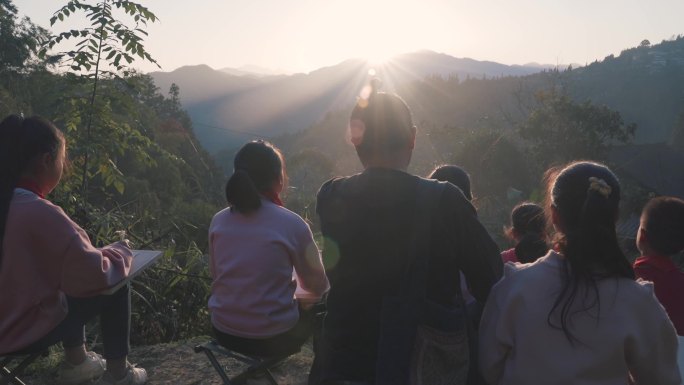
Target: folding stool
<point x="256" y="365"/>
<point x="8" y="376"/>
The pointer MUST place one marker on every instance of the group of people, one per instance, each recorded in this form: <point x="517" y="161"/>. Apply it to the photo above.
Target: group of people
<point x="566" y="308"/>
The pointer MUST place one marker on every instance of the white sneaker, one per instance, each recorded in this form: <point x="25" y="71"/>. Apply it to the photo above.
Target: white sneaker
<point x="134" y="376"/>
<point x="91" y="369"/>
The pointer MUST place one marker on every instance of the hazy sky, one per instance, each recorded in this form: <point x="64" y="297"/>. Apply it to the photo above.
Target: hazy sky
<point x="302" y="35"/>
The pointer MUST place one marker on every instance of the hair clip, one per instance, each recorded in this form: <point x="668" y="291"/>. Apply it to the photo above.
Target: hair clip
<point x="599" y="185"/>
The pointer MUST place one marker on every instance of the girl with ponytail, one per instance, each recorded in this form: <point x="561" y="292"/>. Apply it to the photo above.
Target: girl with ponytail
<point x="528" y="230"/>
<point x="577" y="315"/>
<point x="266" y="269"/>
<point x="51" y="276"/>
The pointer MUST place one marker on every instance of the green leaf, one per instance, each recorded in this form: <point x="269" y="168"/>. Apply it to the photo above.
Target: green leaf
<point x="119" y="186"/>
<point x="61" y="17"/>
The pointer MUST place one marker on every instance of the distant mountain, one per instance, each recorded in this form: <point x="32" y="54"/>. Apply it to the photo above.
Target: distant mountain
<point x="201" y="83"/>
<point x="226" y="108"/>
<point x="253" y="70"/>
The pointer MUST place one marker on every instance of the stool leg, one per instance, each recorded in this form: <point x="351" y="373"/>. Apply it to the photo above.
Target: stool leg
<point x="10" y="377"/>
<point x="270" y="377"/>
<point x="218" y="367"/>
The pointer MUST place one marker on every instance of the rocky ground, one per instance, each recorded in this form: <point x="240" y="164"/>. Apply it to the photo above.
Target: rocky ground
<point x="177" y="363"/>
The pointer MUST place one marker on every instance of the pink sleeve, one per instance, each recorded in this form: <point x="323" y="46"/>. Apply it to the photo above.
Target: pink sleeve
<point x="87" y="271"/>
<point x="312" y="282"/>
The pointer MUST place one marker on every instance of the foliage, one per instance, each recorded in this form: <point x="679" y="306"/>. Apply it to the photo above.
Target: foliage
<point x="19" y="38"/>
<point x="171" y="299"/>
<point x="560" y="130"/>
<point x="106" y="35"/>
<point x="306" y="171"/>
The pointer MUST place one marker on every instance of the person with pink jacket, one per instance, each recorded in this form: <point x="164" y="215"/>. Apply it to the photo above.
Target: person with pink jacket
<point x="266" y="269"/>
<point x="51" y="276"/>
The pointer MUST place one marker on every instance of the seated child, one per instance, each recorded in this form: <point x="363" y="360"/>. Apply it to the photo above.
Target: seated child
<point x="266" y="269"/>
<point x="528" y="231"/>
<point x="51" y="276"/>
<point x="661" y="235"/>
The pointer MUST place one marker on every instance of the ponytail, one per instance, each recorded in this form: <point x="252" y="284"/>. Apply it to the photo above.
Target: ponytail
<point x="259" y="165"/>
<point x="21" y="140"/>
<point x="241" y="193"/>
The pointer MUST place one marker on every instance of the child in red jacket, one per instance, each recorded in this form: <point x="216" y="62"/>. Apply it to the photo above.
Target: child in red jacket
<point x="661" y="235"/>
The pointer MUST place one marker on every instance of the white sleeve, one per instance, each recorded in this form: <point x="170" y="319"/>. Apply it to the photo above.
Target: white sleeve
<point x="651" y="353"/>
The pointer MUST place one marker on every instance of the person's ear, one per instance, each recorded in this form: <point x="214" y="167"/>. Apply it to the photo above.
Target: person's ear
<point x="642" y="237"/>
<point x="46" y="161"/>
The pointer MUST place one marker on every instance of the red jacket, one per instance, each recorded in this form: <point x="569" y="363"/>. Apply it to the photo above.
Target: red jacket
<point x="668" y="282"/>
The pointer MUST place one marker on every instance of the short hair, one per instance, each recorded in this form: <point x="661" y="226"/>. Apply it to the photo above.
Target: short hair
<point x="663" y="220"/>
<point x="386" y="123"/>
<point x="454" y="175"/>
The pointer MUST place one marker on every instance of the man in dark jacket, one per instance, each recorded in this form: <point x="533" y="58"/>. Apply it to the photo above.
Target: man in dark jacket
<point x="367" y="221"/>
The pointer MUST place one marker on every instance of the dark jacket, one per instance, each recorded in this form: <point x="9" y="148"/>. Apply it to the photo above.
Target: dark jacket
<point x="367" y="221"/>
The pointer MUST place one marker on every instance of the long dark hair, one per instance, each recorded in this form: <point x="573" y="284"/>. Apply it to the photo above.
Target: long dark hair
<point x="257" y="166"/>
<point x="585" y="197"/>
<point x="529" y="223"/>
<point x="21" y="141"/>
<point x="386" y="120"/>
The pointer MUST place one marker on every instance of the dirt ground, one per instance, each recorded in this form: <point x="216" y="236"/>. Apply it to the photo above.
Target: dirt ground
<point x="177" y="363"/>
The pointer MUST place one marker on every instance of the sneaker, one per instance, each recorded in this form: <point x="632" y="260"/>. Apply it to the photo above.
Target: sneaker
<point x="91" y="369"/>
<point x="134" y="376"/>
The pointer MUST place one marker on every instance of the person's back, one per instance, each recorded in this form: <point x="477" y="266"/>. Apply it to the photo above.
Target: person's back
<point x="261" y="254"/>
<point x="627" y="328"/>
<point x="367" y="221"/>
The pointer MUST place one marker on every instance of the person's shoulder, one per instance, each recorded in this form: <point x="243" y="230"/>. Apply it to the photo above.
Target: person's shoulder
<point x="528" y="272"/>
<point x="451" y="197"/>
<point x="334" y="185"/>
<point x="639" y="288"/>
<point x="220" y="216"/>
<point x="44" y="213"/>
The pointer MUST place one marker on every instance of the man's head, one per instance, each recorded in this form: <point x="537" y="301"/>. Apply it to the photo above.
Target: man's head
<point x="382" y="130"/>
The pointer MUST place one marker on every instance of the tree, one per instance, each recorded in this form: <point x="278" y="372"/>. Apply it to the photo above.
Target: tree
<point x="560" y="130"/>
<point x="19" y="39"/>
<point x="106" y="41"/>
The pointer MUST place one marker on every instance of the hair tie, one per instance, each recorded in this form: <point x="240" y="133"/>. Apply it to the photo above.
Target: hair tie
<point x="599" y="185"/>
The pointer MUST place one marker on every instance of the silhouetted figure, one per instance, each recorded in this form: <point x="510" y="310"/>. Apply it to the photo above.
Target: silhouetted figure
<point x="368" y="221"/>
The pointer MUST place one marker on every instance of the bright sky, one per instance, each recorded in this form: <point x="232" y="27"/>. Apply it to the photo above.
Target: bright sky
<point x="302" y="35"/>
